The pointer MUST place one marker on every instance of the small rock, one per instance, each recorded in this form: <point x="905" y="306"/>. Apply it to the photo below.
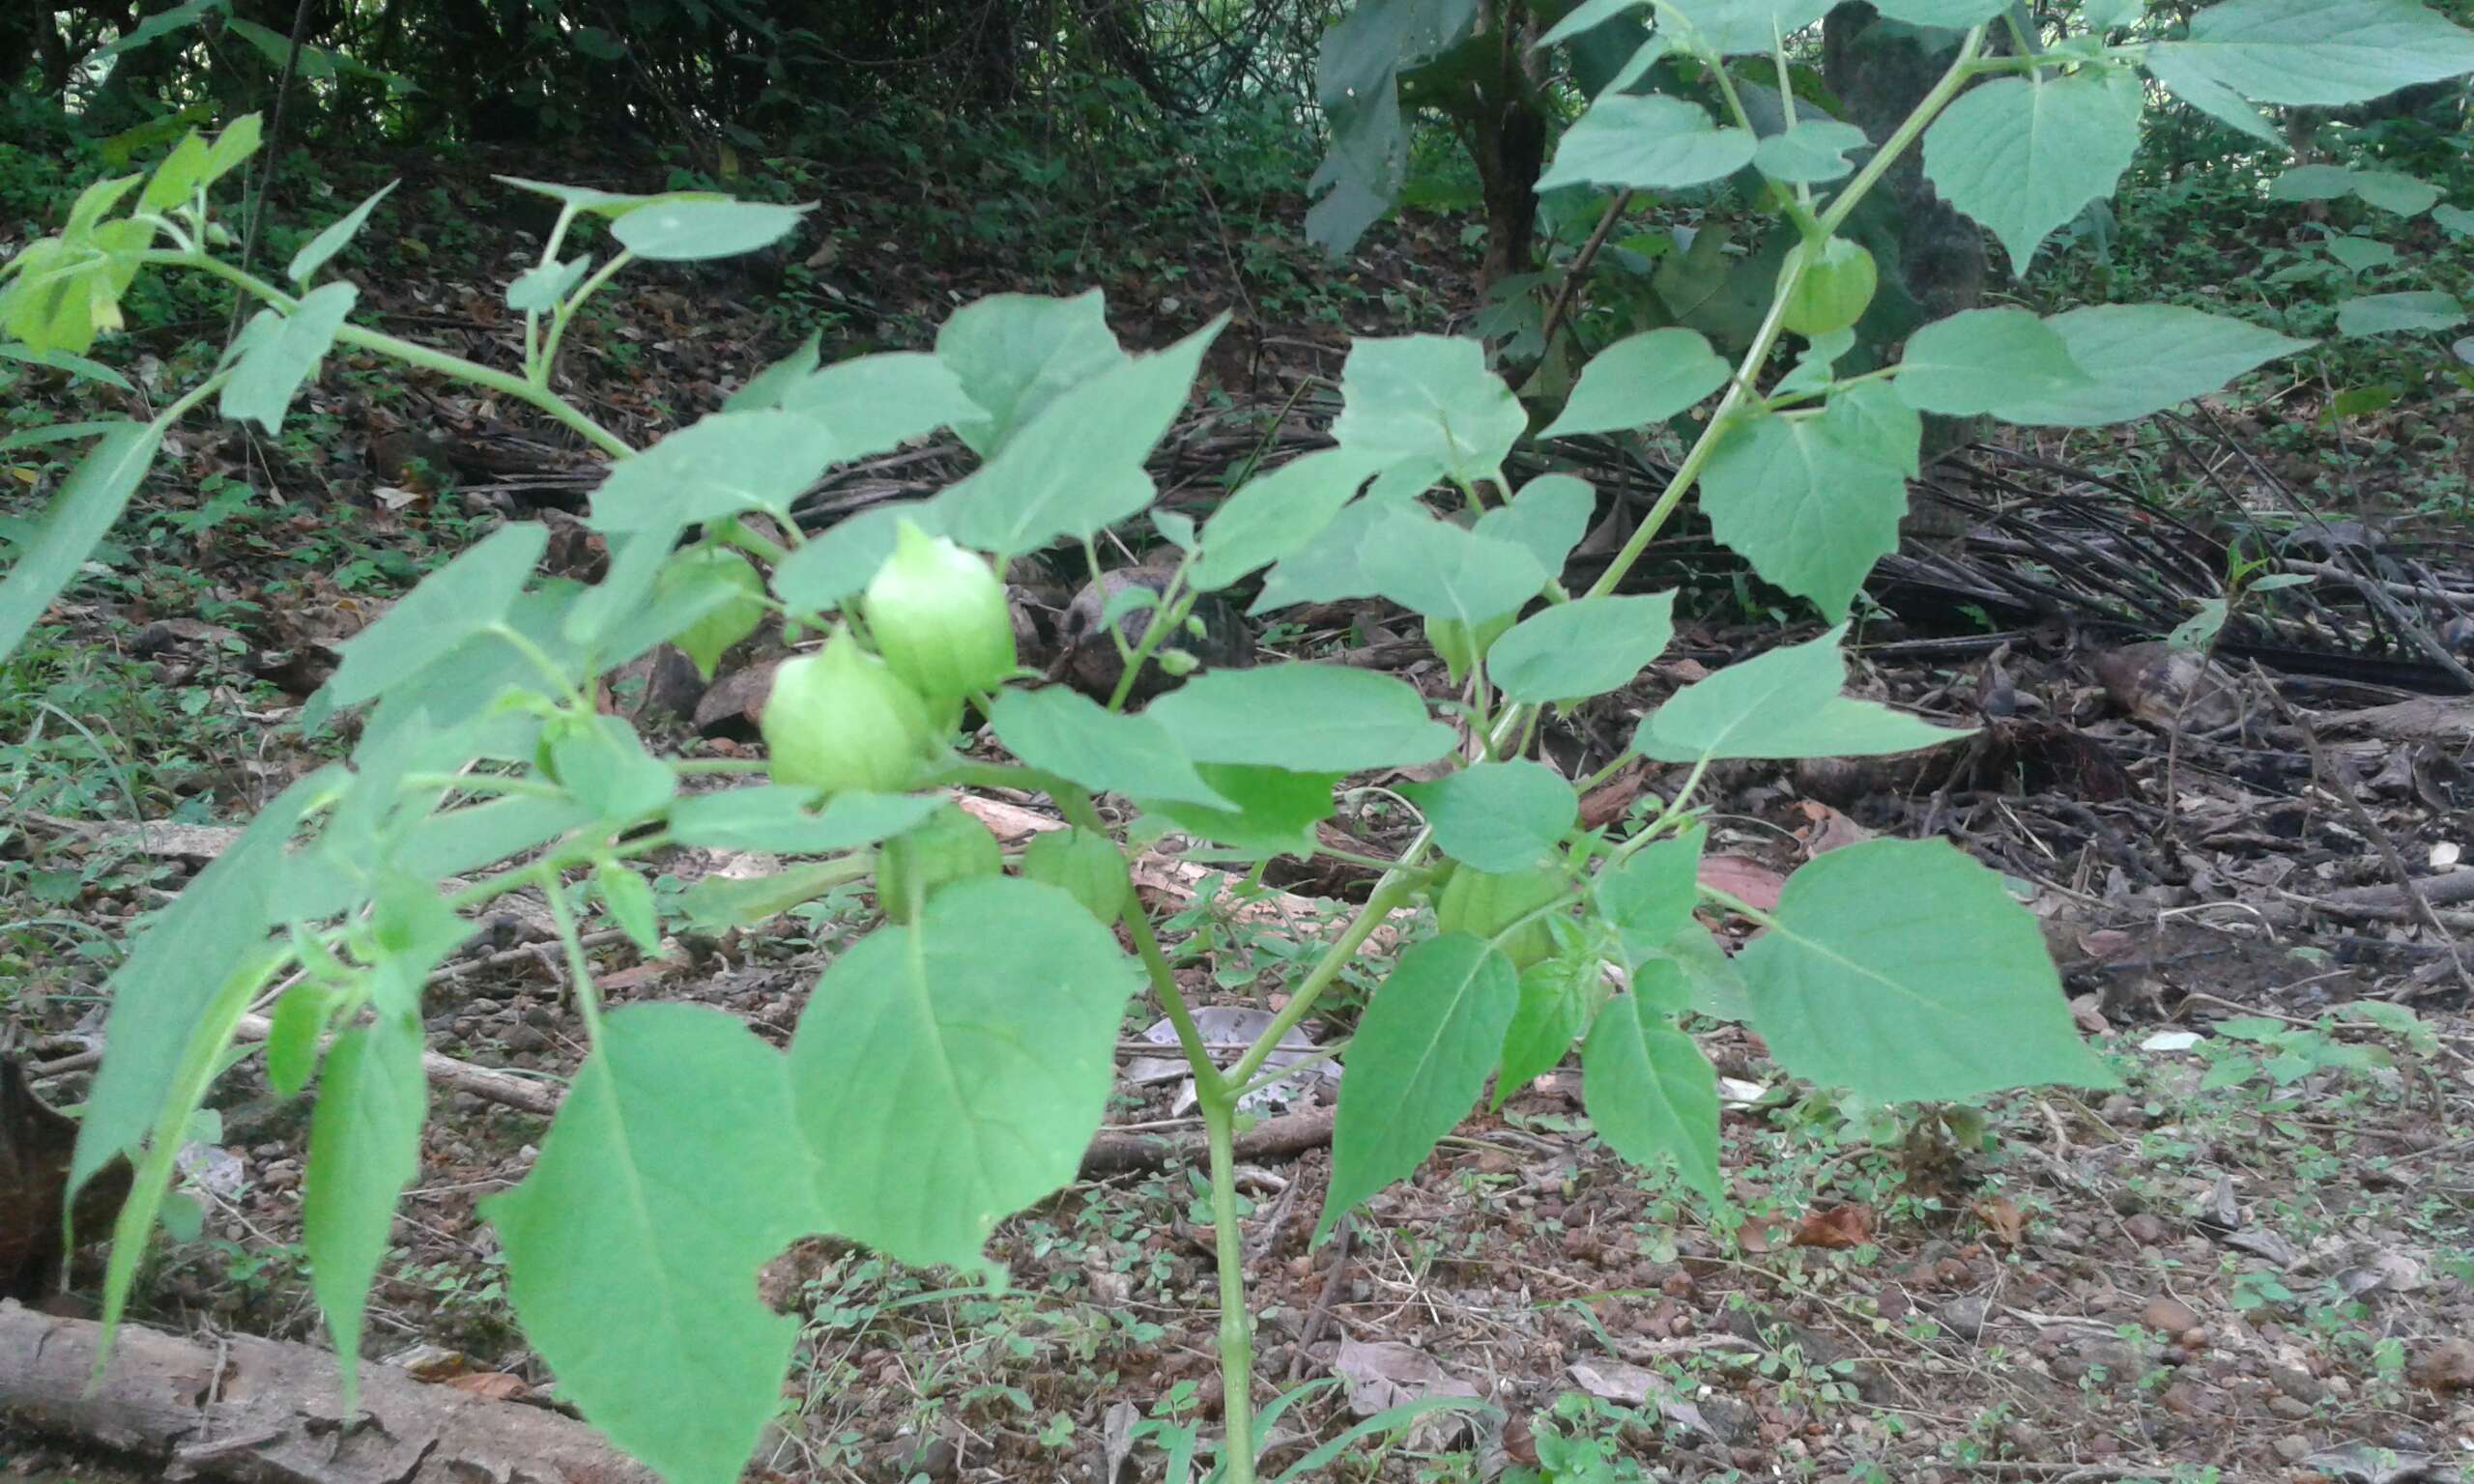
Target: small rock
<point x="1964" y="1314"/>
<point x="2169" y="1314"/>
<point x="2288" y="1409"/>
<point x="2292" y="1450"/>
<point x="2443" y="1365"/>
<point x="521" y="1038"/>
<point x="2145" y="1229"/>
<point x="2299" y="1384"/>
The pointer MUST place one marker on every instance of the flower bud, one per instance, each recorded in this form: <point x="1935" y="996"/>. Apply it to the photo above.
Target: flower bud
<point x="939" y="617"/>
<point x="1461" y="648"/>
<point x="1086" y="866"/>
<point x="948" y="846"/>
<point x="842" y="720"/>
<point x="727" y="623"/>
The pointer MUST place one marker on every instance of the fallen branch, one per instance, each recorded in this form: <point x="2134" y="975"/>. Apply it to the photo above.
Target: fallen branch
<point x="248" y="1409"/>
<point x="488" y="1083"/>
<point x="1274" y="1138"/>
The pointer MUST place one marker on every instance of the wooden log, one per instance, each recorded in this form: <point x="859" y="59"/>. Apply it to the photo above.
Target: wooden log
<point x="248" y="1409"/>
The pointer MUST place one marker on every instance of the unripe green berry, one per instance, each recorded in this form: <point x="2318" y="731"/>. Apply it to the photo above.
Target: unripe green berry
<point x="1086" y="866"/>
<point x="939" y="617"/>
<point x="1835" y="289"/>
<point x="948" y="846"/>
<point x="842" y="720"/>
<point x="1484" y="902"/>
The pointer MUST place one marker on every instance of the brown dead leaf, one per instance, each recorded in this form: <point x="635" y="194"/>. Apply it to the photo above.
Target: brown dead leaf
<point x="2003" y="1214"/>
<point x="496" y="1385"/>
<point x="1827" y="829"/>
<point x="1835" y="1227"/>
<point x="1743" y="878"/>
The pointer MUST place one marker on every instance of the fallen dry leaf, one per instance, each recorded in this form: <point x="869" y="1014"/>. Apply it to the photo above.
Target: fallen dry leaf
<point x="2003" y="1214"/>
<point x="1835" y="1227"/>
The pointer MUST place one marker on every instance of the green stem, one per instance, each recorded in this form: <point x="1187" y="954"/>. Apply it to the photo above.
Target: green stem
<point x="1389" y="894"/>
<point x="1083" y="814"/>
<point x="1236" y="1321"/>
<point x="1963" y="67"/>
<point x="1164" y="615"/>
<point x="579" y="972"/>
<point x="565" y="313"/>
<point x="414" y="355"/>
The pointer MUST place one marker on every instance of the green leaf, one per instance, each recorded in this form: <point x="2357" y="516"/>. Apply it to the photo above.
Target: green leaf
<point x="177" y="178"/>
<point x="1307" y="718"/>
<point x="1077" y="466"/>
<point x="1962" y="365"/>
<point x="2196" y="86"/>
<point x="764" y="391"/>
<point x="79" y="368"/>
<point x="1903" y="970"/>
<point x="1587" y="15"/>
<point x="1648" y="897"/>
<point x="719" y="903"/>
<point x="1327" y="569"/>
<point x="1812" y="152"/>
<point x="237" y="143"/>
<point x="538" y="289"/>
<point x="774" y="818"/>
<point x="1711" y="986"/>
<point x="1548" y="517"/>
<point x="2314" y="51"/>
<point x="299" y="1021"/>
<point x="950" y="1072"/>
<point x="1417" y="1063"/>
<point x="603" y="763"/>
<point x="681" y="231"/>
<point x="1427" y="399"/>
<point x="2380" y="314"/>
<point x="1439" y="570"/>
<point x="629" y="896"/>
<point x="1556" y="998"/>
<point x="1278" y="514"/>
<point x="1733" y="27"/>
<point x="2022" y="156"/>
<point x="1274" y="813"/>
<point x="1585" y="647"/>
<point x="365" y="1147"/>
<point x="413" y="931"/>
<point x="325" y="244"/>
<point x="1784" y="703"/>
<point x="874" y="404"/>
<point x="2145" y="358"/>
<point x="213" y="933"/>
<point x="1074" y="737"/>
<point x="1498" y="816"/>
<point x="2360" y="254"/>
<point x="1651" y="1093"/>
<point x="1016" y="353"/>
<point x="162" y="23"/>
<point x="633" y="1244"/>
<point x="466" y="597"/>
<point x="607" y="204"/>
<point x="1647" y="142"/>
<point x="87" y="506"/>
<point x="720" y="464"/>
<point x="279" y="352"/>
<point x="1811" y="509"/>
<point x="2459" y="221"/>
<point x="1949" y="14"/>
<point x="2311" y="183"/>
<point x="1641" y="380"/>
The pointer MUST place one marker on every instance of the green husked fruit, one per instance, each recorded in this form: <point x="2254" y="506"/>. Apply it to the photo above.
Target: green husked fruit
<point x="948" y="846"/>
<point x="1459" y="647"/>
<point x="1089" y="867"/>
<point x="726" y="624"/>
<point x="1484" y="902"/>
<point x="843" y="719"/>
<point x="939" y="617"/>
<point x="1835" y="291"/>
